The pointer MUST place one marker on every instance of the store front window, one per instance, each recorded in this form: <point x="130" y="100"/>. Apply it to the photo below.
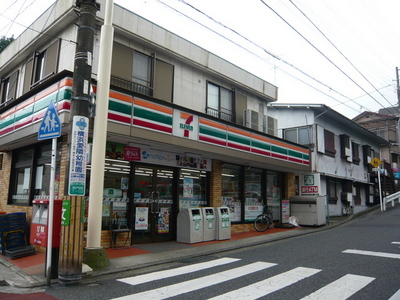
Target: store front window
<point x="115" y="193"/>
<point x="192" y="189"/>
<point x="30" y="178"/>
<point x="274" y="192"/>
<point x="231" y="196"/>
<point x="253" y="194"/>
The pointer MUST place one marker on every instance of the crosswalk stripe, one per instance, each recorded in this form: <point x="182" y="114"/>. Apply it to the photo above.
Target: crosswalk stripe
<point x="270" y="285"/>
<point x="134" y="280"/>
<point x="372" y="253"/>
<point x="199" y="283"/>
<point x="395" y="296"/>
<point x="340" y="289"/>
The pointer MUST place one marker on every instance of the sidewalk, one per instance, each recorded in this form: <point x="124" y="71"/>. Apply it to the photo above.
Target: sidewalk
<point x="28" y="272"/>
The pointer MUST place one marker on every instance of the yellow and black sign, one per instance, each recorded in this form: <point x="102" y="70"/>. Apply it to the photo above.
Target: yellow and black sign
<point x="375" y="162"/>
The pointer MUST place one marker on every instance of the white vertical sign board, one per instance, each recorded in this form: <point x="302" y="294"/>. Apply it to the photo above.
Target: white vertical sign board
<point x="77" y="168"/>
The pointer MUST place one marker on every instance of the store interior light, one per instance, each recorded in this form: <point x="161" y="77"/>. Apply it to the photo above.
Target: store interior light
<point x="228" y="175"/>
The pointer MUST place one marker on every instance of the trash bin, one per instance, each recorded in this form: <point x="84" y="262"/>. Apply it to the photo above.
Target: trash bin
<point x="39" y="230"/>
<point x="223" y="223"/>
<point x="208" y="224"/>
<point x="190" y="226"/>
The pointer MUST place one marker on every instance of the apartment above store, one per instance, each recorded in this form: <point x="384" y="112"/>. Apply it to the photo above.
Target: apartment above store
<point x="148" y="62"/>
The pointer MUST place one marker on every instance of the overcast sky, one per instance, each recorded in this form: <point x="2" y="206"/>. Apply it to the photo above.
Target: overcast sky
<point x="341" y="53"/>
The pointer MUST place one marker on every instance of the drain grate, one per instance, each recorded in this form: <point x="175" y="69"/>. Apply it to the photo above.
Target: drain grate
<point x="3" y="283"/>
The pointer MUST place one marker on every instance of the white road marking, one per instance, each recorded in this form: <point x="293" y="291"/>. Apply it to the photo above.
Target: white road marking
<point x="134" y="280"/>
<point x="340" y="289"/>
<point x="395" y="296"/>
<point x="199" y="283"/>
<point x="270" y="285"/>
<point x="372" y="253"/>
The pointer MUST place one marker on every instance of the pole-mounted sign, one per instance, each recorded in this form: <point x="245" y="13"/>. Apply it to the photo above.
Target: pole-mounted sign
<point x="78" y="157"/>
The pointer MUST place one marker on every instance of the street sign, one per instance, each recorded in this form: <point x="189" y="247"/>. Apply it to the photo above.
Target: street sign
<point x="51" y="126"/>
<point x="375" y="162"/>
<point x="77" y="167"/>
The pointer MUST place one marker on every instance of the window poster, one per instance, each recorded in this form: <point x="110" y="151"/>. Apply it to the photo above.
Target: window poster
<point x="141" y="218"/>
<point x="163" y="220"/>
<point x="106" y="208"/>
<point x="188" y="187"/>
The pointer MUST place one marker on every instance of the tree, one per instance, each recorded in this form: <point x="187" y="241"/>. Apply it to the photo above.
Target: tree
<point x="5" y="41"/>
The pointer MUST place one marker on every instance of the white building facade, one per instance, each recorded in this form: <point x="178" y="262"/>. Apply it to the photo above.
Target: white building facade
<point x="341" y="155"/>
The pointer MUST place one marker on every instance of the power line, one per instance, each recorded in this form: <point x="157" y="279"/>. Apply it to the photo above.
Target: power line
<point x="260" y="47"/>
<point x="319" y="51"/>
<point x="341" y="53"/>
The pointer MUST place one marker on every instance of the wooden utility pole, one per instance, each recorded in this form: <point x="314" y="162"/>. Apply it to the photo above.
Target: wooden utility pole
<point x="71" y="247"/>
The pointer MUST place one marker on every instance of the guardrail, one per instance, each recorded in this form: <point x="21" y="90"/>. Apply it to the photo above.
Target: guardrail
<point x="390" y="198"/>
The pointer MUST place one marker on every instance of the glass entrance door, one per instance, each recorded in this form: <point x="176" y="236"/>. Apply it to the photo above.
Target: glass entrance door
<point x="153" y="199"/>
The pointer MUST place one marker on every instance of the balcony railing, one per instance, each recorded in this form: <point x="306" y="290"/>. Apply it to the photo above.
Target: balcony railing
<point x="220" y="114"/>
<point x="131" y="86"/>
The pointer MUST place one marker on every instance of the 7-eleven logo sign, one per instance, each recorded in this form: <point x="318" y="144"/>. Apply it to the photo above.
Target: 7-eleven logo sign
<point x="186" y="125"/>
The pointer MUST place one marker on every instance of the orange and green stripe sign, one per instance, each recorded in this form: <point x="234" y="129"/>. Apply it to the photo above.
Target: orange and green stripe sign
<point x="238" y="139"/>
<point x="130" y="111"/>
<point x="152" y="116"/>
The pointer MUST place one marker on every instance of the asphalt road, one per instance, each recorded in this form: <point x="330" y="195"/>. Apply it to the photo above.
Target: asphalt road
<point x="358" y="260"/>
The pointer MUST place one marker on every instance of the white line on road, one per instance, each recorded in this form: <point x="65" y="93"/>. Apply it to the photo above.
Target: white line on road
<point x="340" y="289"/>
<point x="199" y="283"/>
<point x="134" y="280"/>
<point x="396" y="243"/>
<point x="372" y="253"/>
<point x="395" y="296"/>
<point x="270" y="285"/>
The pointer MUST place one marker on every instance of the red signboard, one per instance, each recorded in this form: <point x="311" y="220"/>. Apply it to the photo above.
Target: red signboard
<point x="131" y="153"/>
<point x="312" y="189"/>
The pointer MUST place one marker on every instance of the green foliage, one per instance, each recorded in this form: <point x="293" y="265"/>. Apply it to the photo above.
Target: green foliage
<point x="5" y="41"/>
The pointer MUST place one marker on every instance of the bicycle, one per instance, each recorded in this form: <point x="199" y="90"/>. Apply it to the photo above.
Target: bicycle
<point x="264" y="221"/>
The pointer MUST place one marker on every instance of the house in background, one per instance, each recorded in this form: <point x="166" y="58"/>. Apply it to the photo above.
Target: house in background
<point x="341" y="152"/>
<point x="385" y="124"/>
<point x="186" y="128"/>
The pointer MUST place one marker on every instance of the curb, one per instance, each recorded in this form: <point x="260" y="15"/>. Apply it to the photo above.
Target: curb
<point x="154" y="259"/>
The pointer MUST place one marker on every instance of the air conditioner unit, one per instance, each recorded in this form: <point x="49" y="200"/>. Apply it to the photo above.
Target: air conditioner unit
<point x="271" y="125"/>
<point x="253" y="119"/>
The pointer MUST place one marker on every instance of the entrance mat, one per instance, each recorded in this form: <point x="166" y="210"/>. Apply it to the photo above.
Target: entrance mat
<point x="123" y="252"/>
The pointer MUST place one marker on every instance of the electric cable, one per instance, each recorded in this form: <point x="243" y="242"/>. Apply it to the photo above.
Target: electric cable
<point x="319" y="51"/>
<point x="260" y="47"/>
<point x="341" y="53"/>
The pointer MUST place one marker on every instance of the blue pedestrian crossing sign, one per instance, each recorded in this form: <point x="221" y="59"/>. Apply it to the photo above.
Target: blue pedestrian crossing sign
<point x="51" y="126"/>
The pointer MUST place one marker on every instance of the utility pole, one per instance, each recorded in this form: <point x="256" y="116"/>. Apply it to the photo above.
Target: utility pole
<point x="95" y="255"/>
<point x="71" y="248"/>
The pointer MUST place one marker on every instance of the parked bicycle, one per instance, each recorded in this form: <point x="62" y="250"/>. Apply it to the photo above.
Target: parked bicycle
<point x="264" y="221"/>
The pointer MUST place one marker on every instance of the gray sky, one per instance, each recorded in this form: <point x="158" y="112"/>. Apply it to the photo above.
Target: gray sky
<point x="341" y="53"/>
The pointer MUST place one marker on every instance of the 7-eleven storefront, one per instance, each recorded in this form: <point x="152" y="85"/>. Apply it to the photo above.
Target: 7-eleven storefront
<point x="159" y="159"/>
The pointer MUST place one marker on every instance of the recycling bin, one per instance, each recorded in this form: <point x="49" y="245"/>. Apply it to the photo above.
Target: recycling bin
<point x="39" y="229"/>
<point x="208" y="223"/>
<point x="223" y="223"/>
<point x="190" y="226"/>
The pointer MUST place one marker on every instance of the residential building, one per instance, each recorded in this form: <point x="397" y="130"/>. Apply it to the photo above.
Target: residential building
<point x="385" y="124"/>
<point x="341" y="155"/>
<point x="186" y="128"/>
